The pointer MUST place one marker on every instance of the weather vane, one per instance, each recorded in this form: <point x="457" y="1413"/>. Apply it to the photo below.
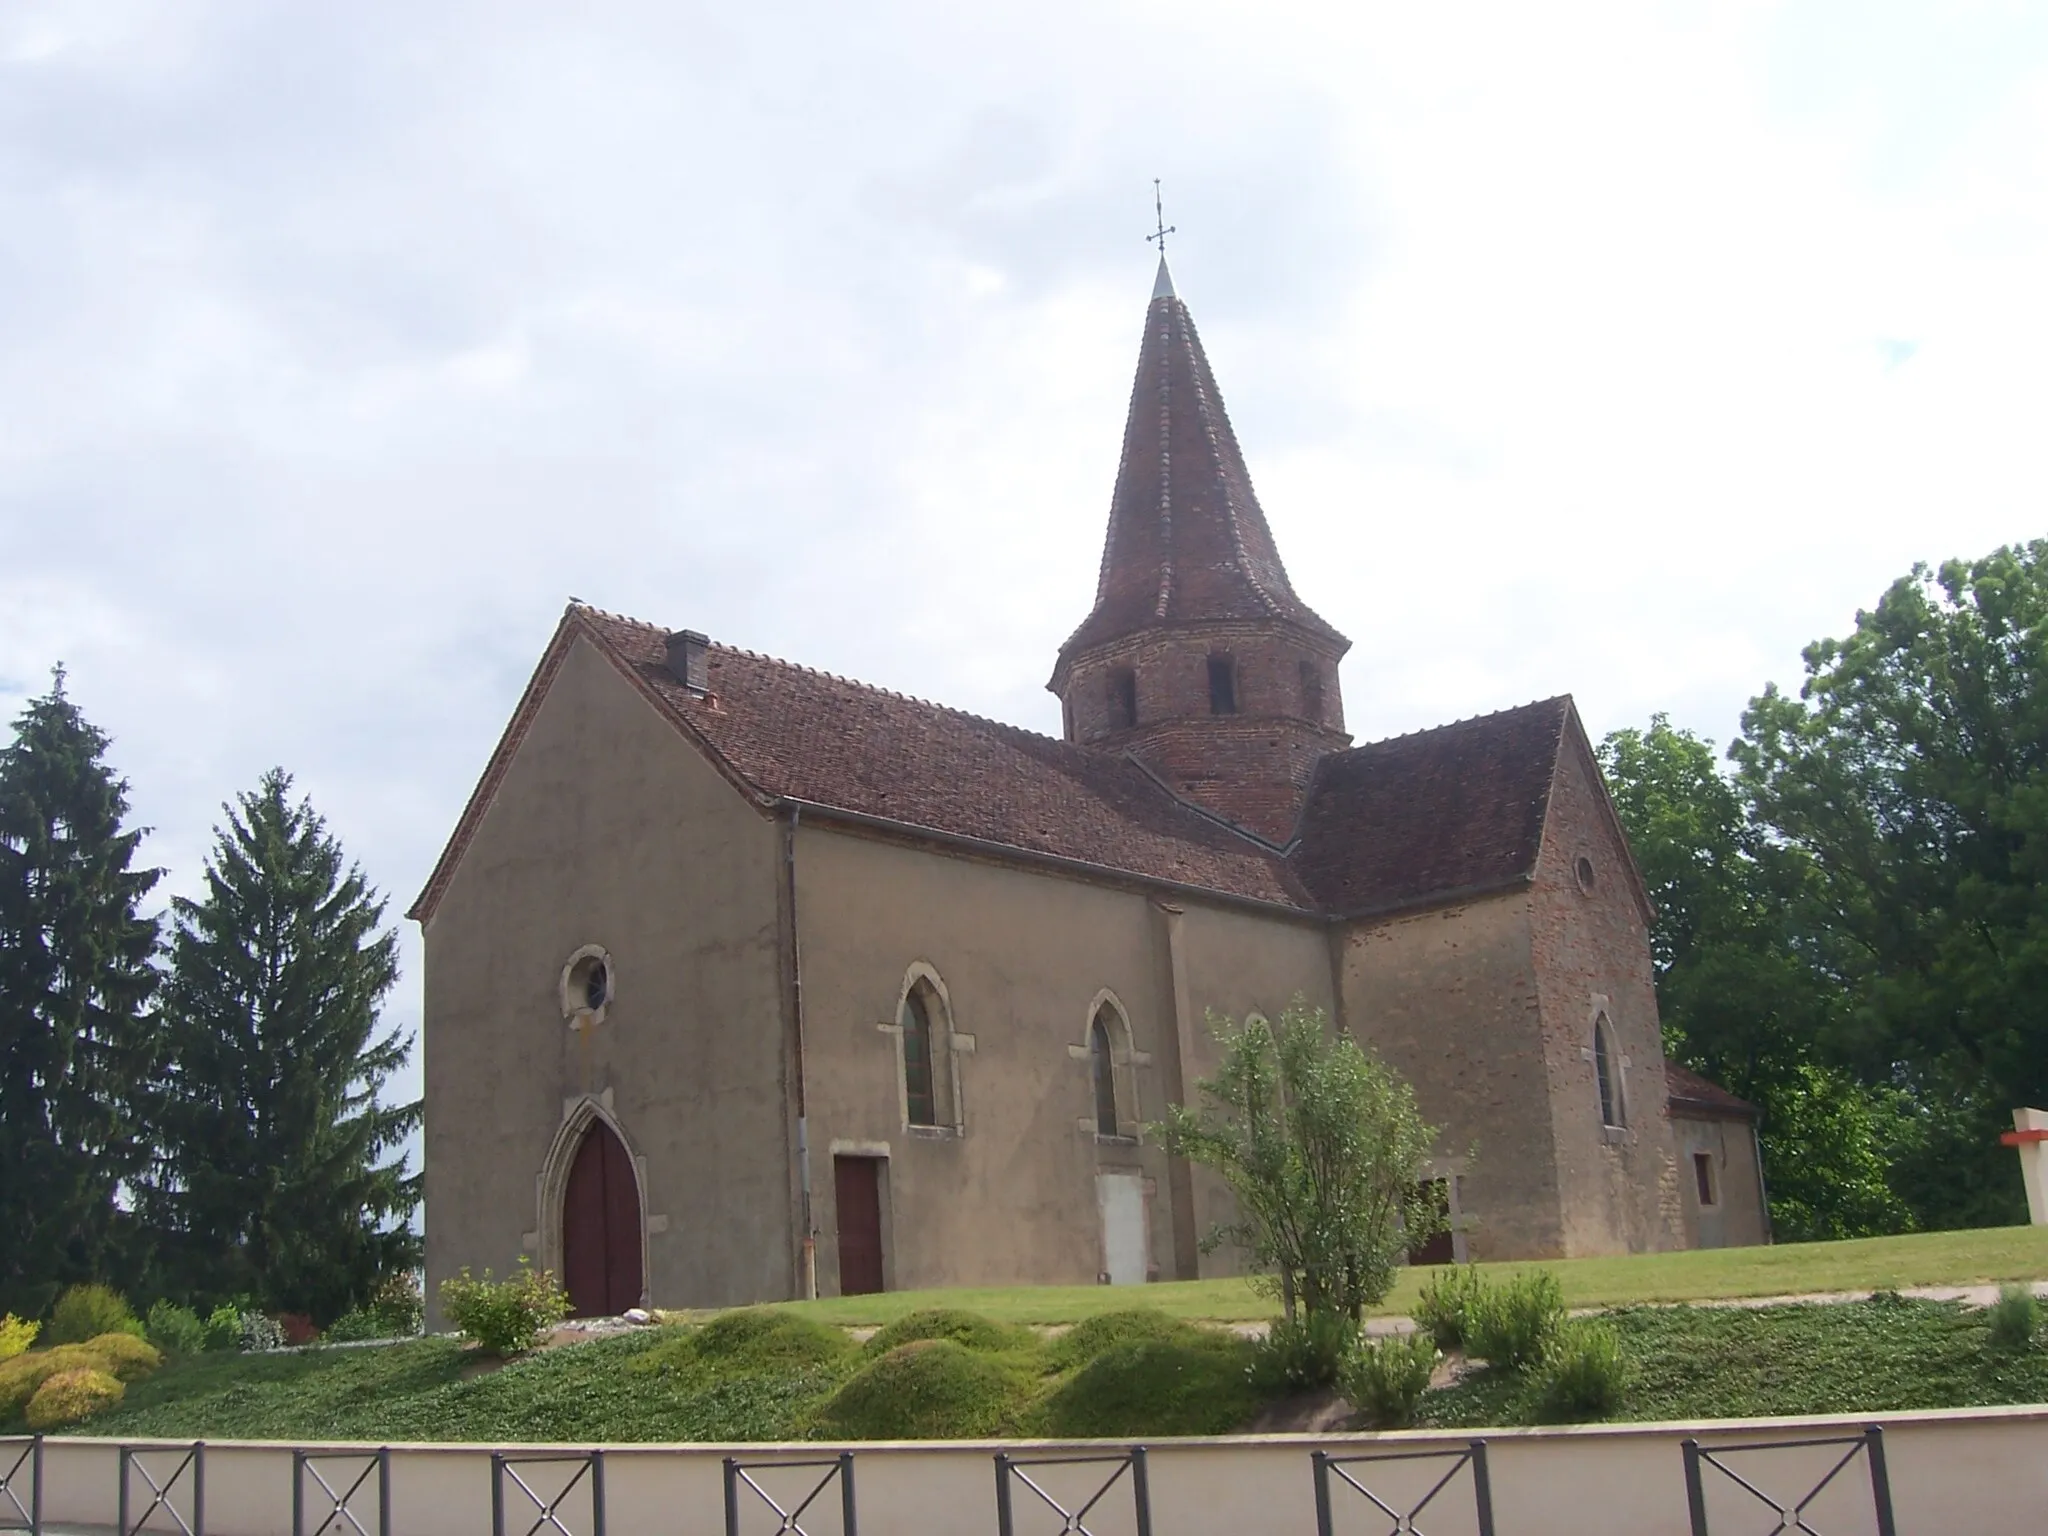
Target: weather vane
<point x="1159" y="214"/>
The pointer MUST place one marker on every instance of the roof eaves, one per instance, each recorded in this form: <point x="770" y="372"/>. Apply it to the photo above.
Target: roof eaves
<point x="1431" y="900"/>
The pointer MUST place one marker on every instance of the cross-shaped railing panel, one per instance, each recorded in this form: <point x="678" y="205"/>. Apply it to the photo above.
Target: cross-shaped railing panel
<point x="1791" y="1517"/>
<point x="333" y="1504"/>
<point x="190" y="1471"/>
<point x="740" y="1474"/>
<point x="509" y="1472"/>
<point x="1073" y="1522"/>
<point x="1332" y="1472"/>
<point x="17" y="1452"/>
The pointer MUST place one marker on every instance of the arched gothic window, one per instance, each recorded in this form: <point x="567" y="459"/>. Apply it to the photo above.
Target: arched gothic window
<point x="920" y="1084"/>
<point x="1606" y="1071"/>
<point x="1103" y="1065"/>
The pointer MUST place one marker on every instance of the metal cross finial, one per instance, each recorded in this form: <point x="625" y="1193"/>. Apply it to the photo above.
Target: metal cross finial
<point x="1159" y="213"/>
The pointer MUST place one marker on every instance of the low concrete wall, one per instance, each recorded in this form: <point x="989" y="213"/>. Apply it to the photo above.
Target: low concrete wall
<point x="1960" y="1469"/>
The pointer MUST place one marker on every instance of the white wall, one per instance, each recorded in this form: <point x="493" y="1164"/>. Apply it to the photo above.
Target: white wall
<point x="1979" y="1469"/>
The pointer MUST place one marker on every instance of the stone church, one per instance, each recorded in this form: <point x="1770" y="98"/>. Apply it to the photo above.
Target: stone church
<point x="745" y="981"/>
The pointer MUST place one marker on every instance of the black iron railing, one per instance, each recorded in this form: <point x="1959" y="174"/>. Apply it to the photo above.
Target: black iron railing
<point x="546" y="1508"/>
<point x="190" y="1470"/>
<point x="335" y="1507"/>
<point x="1331" y="1471"/>
<point x="1073" y="1522"/>
<point x="740" y="1474"/>
<point x="27" y="1451"/>
<point x="1791" y="1517"/>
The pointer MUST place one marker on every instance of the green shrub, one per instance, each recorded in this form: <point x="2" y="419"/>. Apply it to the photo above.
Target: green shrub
<point x="1444" y="1309"/>
<point x="1085" y="1340"/>
<point x="355" y="1326"/>
<point x="933" y="1389"/>
<point x="24" y="1374"/>
<point x="16" y="1336"/>
<point x="506" y="1316"/>
<point x="224" y="1327"/>
<point x="1509" y="1325"/>
<point x="87" y="1311"/>
<point x="398" y="1306"/>
<point x="127" y="1357"/>
<point x="1584" y="1374"/>
<point x="1148" y="1387"/>
<point x="1305" y="1353"/>
<point x="70" y="1396"/>
<point x="767" y="1339"/>
<point x="2013" y="1319"/>
<point x="970" y="1330"/>
<point x="1385" y="1378"/>
<point x="259" y="1332"/>
<point x="174" y="1329"/>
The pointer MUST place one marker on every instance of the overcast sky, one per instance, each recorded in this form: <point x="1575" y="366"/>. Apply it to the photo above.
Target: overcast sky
<point x="1619" y="350"/>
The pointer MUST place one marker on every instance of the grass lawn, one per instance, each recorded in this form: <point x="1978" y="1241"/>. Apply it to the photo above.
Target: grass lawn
<point x="1789" y="1269"/>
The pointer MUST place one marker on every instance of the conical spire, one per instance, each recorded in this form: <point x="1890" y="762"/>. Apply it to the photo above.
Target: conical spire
<point x="1187" y="540"/>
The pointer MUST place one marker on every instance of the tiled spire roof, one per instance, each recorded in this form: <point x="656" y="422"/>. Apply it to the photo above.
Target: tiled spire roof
<point x="1187" y="539"/>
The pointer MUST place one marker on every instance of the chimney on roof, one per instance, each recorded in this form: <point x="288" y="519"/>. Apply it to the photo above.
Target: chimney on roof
<point x="686" y="658"/>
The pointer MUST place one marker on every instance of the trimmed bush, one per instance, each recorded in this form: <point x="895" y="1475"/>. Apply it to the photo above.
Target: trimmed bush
<point x="1444" y="1309"/>
<point x="1085" y="1340"/>
<point x="1508" y="1326"/>
<point x="127" y="1357"/>
<point x="2013" y="1319"/>
<point x="174" y="1329"/>
<point x="70" y="1396"/>
<point x="506" y="1317"/>
<point x="1153" y="1387"/>
<point x="766" y="1338"/>
<point x="87" y="1311"/>
<point x="1385" y="1378"/>
<point x="1584" y="1374"/>
<point x="970" y="1330"/>
<point x="932" y="1389"/>
<point x="21" y="1377"/>
<point x="16" y="1335"/>
<point x="1305" y="1354"/>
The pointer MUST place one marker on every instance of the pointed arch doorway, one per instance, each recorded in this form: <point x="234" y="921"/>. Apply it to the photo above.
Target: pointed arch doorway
<point x="601" y="1240"/>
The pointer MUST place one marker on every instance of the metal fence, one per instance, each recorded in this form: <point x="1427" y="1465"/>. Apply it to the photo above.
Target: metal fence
<point x="1331" y="1471"/>
<point x="546" y="1508"/>
<point x="740" y="1474"/>
<point x="1791" y="1517"/>
<point x="1073" y="1522"/>
<point x="337" y="1509"/>
<point x="16" y="1452"/>
<point x="190" y="1470"/>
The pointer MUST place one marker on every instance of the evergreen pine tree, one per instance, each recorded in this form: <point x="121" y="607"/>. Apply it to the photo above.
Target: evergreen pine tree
<point x="76" y="981"/>
<point x="279" y="1179"/>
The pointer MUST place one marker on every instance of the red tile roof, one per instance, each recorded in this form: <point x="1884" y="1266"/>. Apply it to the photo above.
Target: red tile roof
<point x="1417" y="818"/>
<point x="1187" y="537"/>
<point x="1689" y="1093"/>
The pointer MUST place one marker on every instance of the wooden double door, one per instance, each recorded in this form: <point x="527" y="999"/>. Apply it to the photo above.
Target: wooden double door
<point x="601" y="1247"/>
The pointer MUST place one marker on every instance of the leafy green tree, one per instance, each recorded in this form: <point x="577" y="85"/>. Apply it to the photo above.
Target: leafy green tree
<point x="1323" y="1147"/>
<point x="1744" y="989"/>
<point x="1912" y="773"/>
<point x="278" y="1179"/>
<point x="76" y="982"/>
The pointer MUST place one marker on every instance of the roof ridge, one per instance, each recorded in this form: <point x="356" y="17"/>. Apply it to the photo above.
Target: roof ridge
<point x="1431" y="730"/>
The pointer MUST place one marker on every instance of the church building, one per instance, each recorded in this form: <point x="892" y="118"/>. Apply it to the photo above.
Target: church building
<point x="747" y="982"/>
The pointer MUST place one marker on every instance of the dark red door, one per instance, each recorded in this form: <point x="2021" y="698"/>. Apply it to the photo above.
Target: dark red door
<point x="601" y="1228"/>
<point x="857" y="1181"/>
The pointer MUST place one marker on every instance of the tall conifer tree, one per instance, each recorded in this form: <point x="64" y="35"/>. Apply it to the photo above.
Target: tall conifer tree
<point x="280" y="1178"/>
<point x="76" y="981"/>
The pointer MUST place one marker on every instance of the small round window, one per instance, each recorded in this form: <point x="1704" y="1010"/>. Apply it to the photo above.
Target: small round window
<point x="587" y="984"/>
<point x="1584" y="870"/>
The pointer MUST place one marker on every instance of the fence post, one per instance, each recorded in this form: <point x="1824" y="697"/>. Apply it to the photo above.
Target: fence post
<point x="847" y="1517"/>
<point x="383" y="1490"/>
<point x="1141" y="1490"/>
<point x="597" y="1490"/>
<point x="1003" y="1520"/>
<point x="1695" y="1492"/>
<point x="299" y="1493"/>
<point x="1482" y="1488"/>
<point x="497" y="1493"/>
<point x="122" y="1516"/>
<point x="1880" y="1480"/>
<point x="732" y="1496"/>
<point x="1320" y="1461"/>
<point x="198" y="1488"/>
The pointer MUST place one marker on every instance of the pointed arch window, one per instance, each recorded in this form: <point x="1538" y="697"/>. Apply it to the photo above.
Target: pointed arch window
<point x="920" y="1087"/>
<point x="1607" y="1073"/>
<point x="1103" y="1065"/>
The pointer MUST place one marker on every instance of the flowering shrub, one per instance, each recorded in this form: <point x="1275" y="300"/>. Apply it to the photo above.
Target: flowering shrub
<point x="505" y="1316"/>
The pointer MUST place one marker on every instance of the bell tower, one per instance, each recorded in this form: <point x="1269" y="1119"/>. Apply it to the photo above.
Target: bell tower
<point x="1198" y="659"/>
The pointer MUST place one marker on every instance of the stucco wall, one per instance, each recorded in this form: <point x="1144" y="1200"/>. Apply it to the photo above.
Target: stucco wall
<point x="1023" y="956"/>
<point x="1449" y="999"/>
<point x="609" y="829"/>
<point x="1738" y="1220"/>
<point x="1619" y="1189"/>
